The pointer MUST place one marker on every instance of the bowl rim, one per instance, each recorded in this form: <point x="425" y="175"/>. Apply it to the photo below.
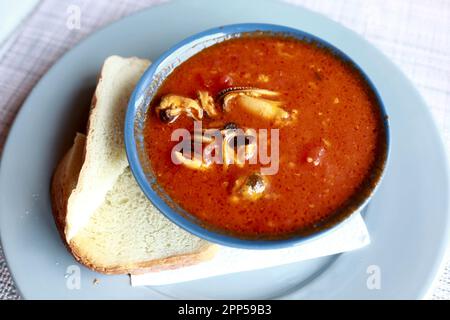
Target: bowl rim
<point x="210" y="235"/>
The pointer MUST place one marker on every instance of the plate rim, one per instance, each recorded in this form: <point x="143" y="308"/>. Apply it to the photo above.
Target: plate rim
<point x="439" y="262"/>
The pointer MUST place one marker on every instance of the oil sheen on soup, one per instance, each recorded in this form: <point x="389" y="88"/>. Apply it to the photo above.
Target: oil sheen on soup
<point x="317" y="109"/>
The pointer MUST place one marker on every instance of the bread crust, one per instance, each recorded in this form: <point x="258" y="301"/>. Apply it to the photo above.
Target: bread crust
<point x="64" y="180"/>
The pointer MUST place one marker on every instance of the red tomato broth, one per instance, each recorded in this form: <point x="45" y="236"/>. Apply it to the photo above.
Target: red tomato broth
<point x="338" y="120"/>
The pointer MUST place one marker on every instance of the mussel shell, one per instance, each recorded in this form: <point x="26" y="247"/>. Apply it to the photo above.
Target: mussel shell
<point x="230" y="126"/>
<point x="255" y="183"/>
<point x="224" y="92"/>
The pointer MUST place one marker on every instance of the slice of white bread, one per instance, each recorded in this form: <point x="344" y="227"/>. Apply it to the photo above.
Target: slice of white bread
<point x="105" y="157"/>
<point x="125" y="233"/>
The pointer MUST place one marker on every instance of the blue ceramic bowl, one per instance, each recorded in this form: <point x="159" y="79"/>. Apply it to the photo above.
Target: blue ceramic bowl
<point x="138" y="159"/>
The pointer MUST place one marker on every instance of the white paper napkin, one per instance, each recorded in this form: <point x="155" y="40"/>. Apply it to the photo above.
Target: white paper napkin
<point x="351" y="235"/>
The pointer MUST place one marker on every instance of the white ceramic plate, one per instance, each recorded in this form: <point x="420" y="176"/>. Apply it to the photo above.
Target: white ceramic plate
<point x="408" y="218"/>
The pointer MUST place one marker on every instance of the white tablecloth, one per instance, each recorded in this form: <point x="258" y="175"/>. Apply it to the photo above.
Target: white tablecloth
<point x="414" y="34"/>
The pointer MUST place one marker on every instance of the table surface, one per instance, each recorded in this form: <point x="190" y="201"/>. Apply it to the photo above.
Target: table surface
<point x="412" y="33"/>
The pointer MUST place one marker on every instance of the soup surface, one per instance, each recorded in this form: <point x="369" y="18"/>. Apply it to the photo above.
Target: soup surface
<point x="331" y="135"/>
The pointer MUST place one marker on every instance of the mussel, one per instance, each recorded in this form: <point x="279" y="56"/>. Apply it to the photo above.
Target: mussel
<point x="207" y="103"/>
<point x="251" y="187"/>
<point x="259" y="102"/>
<point x="172" y="106"/>
<point x="238" y="146"/>
<point x="191" y="163"/>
